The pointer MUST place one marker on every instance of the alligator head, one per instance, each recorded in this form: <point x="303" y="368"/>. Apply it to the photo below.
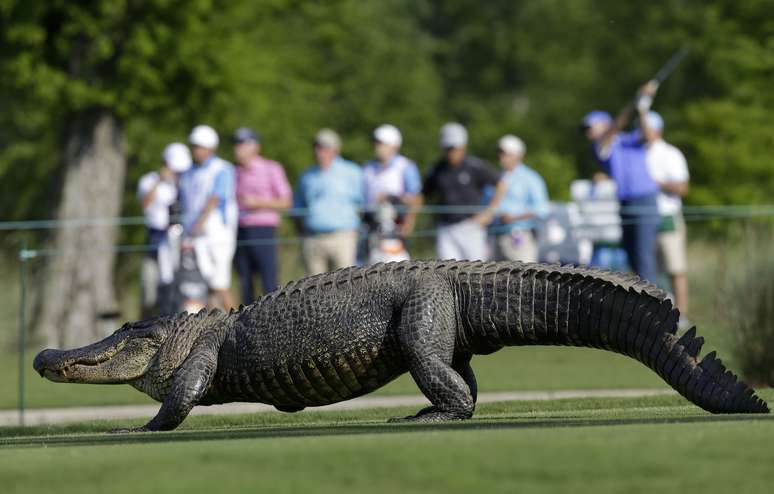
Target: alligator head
<point x="122" y="357"/>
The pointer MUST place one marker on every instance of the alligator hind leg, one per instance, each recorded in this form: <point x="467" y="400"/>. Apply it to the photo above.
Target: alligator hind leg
<point x="461" y="364"/>
<point x="427" y="336"/>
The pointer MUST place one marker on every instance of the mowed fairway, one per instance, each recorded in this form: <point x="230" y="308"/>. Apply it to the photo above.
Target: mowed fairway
<point x="661" y="444"/>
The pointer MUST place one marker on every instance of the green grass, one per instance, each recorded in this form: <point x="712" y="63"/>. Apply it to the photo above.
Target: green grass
<point x="660" y="444"/>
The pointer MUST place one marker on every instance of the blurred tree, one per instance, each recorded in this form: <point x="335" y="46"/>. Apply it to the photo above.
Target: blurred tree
<point x="726" y="127"/>
<point x="74" y="73"/>
<point x="535" y="68"/>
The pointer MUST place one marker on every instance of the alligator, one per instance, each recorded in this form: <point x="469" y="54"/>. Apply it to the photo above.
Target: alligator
<point x="339" y="335"/>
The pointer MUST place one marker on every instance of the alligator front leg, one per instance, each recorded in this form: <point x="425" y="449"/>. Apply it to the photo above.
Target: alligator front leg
<point x="190" y="382"/>
<point x="427" y="336"/>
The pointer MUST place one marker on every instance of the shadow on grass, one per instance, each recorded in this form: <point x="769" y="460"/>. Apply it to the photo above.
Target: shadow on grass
<point x="355" y="429"/>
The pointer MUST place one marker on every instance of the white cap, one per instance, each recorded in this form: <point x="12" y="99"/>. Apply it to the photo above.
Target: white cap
<point x="204" y="136"/>
<point x="655" y="121"/>
<point x="177" y="157"/>
<point x="453" y="135"/>
<point x="327" y="138"/>
<point x="511" y="144"/>
<point x="388" y="134"/>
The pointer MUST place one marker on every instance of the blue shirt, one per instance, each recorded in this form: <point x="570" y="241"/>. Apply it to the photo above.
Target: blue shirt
<point x="626" y="165"/>
<point x="525" y="193"/>
<point x="213" y="178"/>
<point x="332" y="197"/>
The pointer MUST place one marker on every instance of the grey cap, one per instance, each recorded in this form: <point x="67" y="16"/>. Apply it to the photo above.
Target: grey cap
<point x="453" y="135"/>
<point x="327" y="138"/>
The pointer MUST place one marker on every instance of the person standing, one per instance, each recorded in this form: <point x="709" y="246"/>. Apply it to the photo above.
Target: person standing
<point x="262" y="191"/>
<point x="521" y="199"/>
<point x="669" y="169"/>
<point x="391" y="180"/>
<point x="622" y="156"/>
<point x="458" y="181"/>
<point x="209" y="212"/>
<point x="157" y="191"/>
<point x="331" y="192"/>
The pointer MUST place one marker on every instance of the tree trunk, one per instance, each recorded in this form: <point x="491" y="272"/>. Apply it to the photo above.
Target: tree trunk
<point x="78" y="290"/>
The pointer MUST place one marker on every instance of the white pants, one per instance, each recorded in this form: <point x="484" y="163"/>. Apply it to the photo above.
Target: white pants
<point x="465" y="240"/>
<point x="214" y="255"/>
<point x="518" y="245"/>
<point x="149" y="277"/>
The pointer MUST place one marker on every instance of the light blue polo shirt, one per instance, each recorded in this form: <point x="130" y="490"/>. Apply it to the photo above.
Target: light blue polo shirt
<point x="332" y="197"/>
<point x="526" y="193"/>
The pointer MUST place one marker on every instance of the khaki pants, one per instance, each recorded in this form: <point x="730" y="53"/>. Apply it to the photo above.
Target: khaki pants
<point x="518" y="245"/>
<point x="328" y="251"/>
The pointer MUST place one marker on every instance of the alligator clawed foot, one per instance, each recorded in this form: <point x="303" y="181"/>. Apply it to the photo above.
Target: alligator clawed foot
<point x="398" y="420"/>
<point x="127" y="430"/>
<point x="431" y="414"/>
<point x="413" y="418"/>
<point x="429" y="417"/>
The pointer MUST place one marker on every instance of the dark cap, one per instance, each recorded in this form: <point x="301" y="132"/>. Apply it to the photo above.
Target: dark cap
<point x="244" y="134"/>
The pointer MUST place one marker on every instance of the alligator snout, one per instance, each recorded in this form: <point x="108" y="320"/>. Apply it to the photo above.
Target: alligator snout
<point x="48" y="360"/>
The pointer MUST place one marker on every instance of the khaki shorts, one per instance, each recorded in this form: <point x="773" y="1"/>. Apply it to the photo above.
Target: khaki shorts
<point x="328" y="251"/>
<point x="671" y="248"/>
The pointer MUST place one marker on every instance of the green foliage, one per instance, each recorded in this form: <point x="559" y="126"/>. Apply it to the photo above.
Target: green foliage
<point x="749" y="285"/>
<point x="62" y="58"/>
<point x="288" y="67"/>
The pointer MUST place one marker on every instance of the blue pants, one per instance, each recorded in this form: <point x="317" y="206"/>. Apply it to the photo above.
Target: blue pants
<point x="256" y="254"/>
<point x="640" y="221"/>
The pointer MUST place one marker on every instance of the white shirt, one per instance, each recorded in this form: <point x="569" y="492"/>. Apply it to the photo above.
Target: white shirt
<point x="667" y="164"/>
<point x="157" y="212"/>
<point x="400" y="176"/>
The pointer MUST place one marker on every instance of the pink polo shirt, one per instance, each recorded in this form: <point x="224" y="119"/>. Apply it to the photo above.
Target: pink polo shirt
<point x="264" y="179"/>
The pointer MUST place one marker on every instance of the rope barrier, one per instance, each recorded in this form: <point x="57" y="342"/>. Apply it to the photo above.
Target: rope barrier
<point x="27" y="254"/>
<point x="718" y="211"/>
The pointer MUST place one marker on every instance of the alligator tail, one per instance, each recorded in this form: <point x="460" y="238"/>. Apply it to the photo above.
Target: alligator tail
<point x="513" y="304"/>
<point x="638" y="320"/>
<point x="705" y="382"/>
<point x="535" y="304"/>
